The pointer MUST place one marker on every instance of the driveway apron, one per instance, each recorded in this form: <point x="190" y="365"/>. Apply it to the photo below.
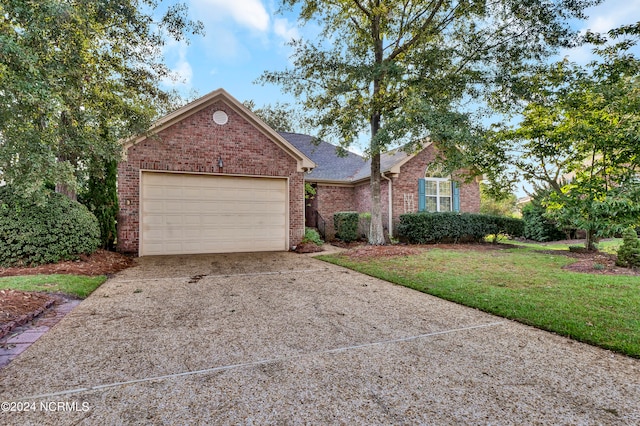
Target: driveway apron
<point x="281" y="338"/>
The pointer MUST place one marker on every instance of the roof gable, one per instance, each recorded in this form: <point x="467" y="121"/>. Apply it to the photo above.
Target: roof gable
<point x="330" y="167"/>
<point x="304" y="162"/>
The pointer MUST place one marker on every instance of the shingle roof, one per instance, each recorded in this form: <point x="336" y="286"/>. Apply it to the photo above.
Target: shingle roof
<point x="331" y="166"/>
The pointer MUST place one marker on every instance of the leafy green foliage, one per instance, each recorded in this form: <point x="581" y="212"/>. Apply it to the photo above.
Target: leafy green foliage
<point x="33" y="234"/>
<point x="400" y="71"/>
<point x="281" y="117"/>
<point x="312" y="236"/>
<point x="428" y="228"/>
<point x="77" y="76"/>
<point x="537" y="226"/>
<point x="101" y="198"/>
<point x="579" y="136"/>
<point x="502" y="205"/>
<point x="629" y="251"/>
<point x="589" y="203"/>
<point x="346" y="226"/>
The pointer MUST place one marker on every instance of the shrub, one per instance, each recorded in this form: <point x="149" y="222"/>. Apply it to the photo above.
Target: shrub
<point x="101" y="198"/>
<point x="312" y="236"/>
<point x="425" y="228"/>
<point x="33" y="234"/>
<point x="629" y="251"/>
<point x="536" y="226"/>
<point x="346" y="226"/>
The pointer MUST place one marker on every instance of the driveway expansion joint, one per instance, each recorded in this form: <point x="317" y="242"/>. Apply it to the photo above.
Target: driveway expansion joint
<point x="258" y="362"/>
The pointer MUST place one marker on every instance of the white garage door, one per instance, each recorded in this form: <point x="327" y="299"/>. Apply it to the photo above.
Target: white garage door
<point x="187" y="214"/>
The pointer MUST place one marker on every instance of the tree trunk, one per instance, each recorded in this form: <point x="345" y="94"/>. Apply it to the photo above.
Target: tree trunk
<point x="590" y="242"/>
<point x="67" y="190"/>
<point x="376" y="231"/>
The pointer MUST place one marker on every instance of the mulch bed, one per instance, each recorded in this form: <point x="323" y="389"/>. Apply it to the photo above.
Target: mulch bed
<point x="102" y="262"/>
<point x="20" y="307"/>
<point x="308" y="248"/>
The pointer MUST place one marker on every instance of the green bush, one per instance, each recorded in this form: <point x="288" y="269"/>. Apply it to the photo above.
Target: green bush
<point x="629" y="251"/>
<point x="312" y="236"/>
<point x="426" y="228"/>
<point x="346" y="226"/>
<point x="101" y="198"/>
<point x="537" y="227"/>
<point x="33" y="234"/>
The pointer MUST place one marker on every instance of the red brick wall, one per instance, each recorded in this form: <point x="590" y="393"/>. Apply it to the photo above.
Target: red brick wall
<point x="333" y="199"/>
<point x="407" y="183"/>
<point x="194" y="145"/>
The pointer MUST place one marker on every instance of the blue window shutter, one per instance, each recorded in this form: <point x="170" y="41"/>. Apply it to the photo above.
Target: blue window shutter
<point x="456" y="196"/>
<point x="422" y="203"/>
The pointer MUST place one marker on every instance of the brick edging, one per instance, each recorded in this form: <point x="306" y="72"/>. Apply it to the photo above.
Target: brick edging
<point x="5" y="329"/>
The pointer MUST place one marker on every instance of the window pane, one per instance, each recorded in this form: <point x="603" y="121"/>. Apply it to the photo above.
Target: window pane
<point x="431" y="187"/>
<point x="445" y="188"/>
<point x="445" y="204"/>
<point x="431" y="204"/>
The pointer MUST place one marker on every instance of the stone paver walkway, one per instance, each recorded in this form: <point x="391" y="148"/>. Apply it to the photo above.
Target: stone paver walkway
<point x="24" y="336"/>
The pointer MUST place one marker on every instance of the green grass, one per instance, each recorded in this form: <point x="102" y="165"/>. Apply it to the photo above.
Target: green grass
<point x="522" y="285"/>
<point x="608" y="246"/>
<point x="76" y="285"/>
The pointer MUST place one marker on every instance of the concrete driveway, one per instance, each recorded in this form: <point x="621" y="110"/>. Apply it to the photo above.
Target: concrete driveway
<point x="282" y="338"/>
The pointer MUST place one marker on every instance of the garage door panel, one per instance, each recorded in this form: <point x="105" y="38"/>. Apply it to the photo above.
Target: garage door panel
<point x="188" y="214"/>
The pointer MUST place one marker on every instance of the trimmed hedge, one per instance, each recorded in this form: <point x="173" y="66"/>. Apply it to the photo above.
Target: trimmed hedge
<point x="427" y="228"/>
<point x="346" y="226"/>
<point x="32" y="234"/>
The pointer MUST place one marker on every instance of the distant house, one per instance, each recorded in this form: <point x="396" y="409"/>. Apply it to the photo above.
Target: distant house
<point x="342" y="183"/>
<point x="211" y="177"/>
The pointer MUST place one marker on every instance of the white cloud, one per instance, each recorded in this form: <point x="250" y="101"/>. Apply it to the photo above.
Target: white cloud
<point x="248" y="13"/>
<point x="175" y="54"/>
<point x="611" y="14"/>
<point x="602" y="18"/>
<point x="283" y="28"/>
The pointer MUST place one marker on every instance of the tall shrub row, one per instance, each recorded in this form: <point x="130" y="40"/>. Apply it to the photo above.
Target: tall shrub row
<point x="425" y="228"/>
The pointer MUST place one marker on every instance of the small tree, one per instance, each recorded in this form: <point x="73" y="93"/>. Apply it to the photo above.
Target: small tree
<point x="101" y="198"/>
<point x="629" y="252"/>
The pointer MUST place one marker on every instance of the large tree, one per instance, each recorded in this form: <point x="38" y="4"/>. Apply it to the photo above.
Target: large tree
<point x="401" y="70"/>
<point x="76" y="76"/>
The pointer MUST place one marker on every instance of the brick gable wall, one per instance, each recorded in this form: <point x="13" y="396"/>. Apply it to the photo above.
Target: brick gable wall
<point x="194" y="145"/>
<point x="407" y="183"/>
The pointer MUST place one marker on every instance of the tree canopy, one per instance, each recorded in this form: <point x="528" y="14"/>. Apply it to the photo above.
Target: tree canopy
<point x="76" y="76"/>
<point x="580" y="136"/>
<point x="401" y="70"/>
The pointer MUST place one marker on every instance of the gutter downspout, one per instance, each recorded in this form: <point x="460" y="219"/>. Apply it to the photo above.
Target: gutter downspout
<point x="390" y="197"/>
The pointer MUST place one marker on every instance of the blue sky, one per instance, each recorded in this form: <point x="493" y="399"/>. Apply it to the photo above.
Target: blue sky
<point x="245" y="37"/>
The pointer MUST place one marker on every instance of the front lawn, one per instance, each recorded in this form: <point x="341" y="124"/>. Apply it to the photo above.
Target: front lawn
<point x="77" y="285"/>
<point x="523" y="285"/>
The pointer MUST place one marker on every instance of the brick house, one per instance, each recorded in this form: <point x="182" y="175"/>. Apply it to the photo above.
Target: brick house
<point x="342" y="184"/>
<point x="211" y="177"/>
